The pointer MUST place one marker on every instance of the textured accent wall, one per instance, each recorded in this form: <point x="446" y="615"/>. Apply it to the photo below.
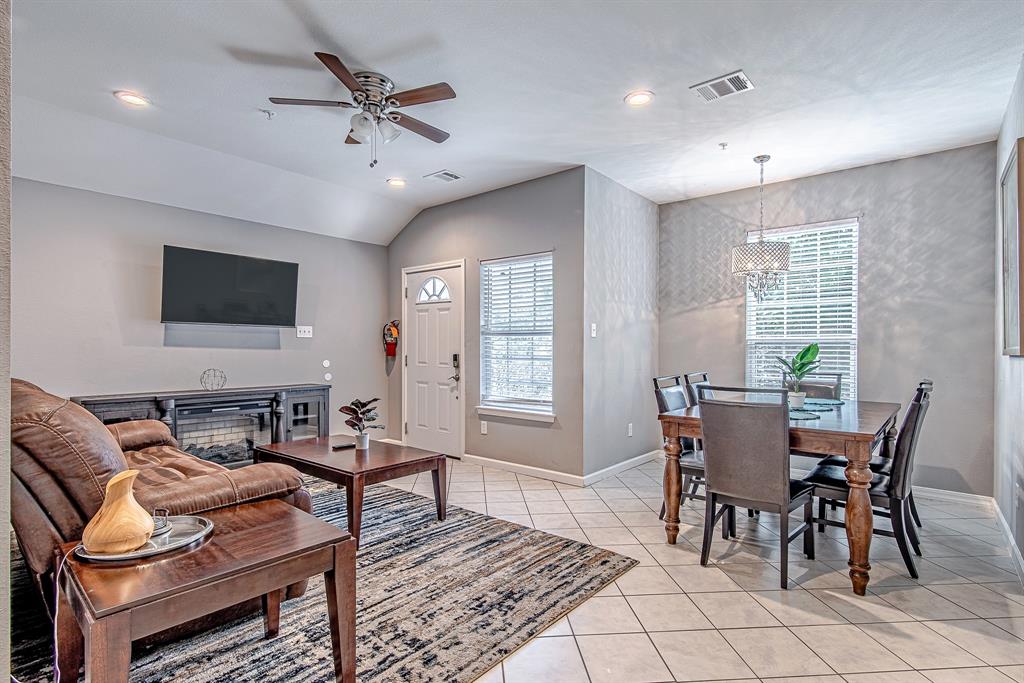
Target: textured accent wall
<point x="620" y="296"/>
<point x="1009" y="374"/>
<point x="927" y="282"/>
<point x="87" y="283"/>
<point x="538" y="215"/>
<point x="5" y="332"/>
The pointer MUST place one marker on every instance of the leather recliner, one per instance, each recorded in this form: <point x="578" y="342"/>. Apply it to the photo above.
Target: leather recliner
<point x="62" y="457"/>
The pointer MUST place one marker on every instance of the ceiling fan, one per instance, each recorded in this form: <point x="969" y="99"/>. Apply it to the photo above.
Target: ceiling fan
<point x="374" y="95"/>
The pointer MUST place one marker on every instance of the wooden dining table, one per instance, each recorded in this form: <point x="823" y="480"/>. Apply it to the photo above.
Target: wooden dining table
<point x="851" y="430"/>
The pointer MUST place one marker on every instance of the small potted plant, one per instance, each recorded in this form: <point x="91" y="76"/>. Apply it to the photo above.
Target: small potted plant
<point x="359" y="414"/>
<point x="803" y="363"/>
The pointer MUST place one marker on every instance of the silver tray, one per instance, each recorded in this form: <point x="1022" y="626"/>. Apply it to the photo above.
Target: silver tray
<point x="185" y="530"/>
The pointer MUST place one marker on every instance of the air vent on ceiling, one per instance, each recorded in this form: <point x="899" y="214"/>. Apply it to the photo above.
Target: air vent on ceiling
<point x="444" y="175"/>
<point x="723" y="86"/>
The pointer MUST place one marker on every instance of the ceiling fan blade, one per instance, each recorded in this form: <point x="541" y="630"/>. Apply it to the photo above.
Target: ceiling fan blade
<point x="418" y="127"/>
<point x="428" y="93"/>
<point x="340" y="71"/>
<point x="351" y="140"/>
<point x="311" y="103"/>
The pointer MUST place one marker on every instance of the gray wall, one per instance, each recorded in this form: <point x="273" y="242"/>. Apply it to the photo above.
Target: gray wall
<point x="927" y="279"/>
<point x="86" y="289"/>
<point x="1009" y="375"/>
<point x="539" y="215"/>
<point x="620" y="295"/>
<point x="5" y="337"/>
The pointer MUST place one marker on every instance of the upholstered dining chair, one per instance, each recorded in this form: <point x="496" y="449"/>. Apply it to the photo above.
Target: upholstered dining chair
<point x="670" y="394"/>
<point x="882" y="462"/>
<point x="889" y="489"/>
<point x="746" y="446"/>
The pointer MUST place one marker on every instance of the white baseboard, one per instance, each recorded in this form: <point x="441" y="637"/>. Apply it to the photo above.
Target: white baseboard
<point x="560" y="477"/>
<point x="922" y="492"/>
<point x="1015" y="555"/>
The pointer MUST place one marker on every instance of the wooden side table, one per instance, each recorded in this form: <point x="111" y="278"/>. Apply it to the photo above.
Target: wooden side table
<point x="254" y="551"/>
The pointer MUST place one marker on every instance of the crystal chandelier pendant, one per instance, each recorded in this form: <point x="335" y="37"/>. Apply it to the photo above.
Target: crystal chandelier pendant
<point x="762" y="262"/>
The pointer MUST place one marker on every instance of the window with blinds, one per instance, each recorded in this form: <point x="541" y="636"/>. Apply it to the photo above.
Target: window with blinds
<point x="517" y="321"/>
<point x="816" y="302"/>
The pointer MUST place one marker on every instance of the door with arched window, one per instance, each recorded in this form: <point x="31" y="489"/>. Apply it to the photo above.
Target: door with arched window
<point x="432" y="362"/>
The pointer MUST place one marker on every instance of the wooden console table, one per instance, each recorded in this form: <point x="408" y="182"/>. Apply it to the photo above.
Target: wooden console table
<point x="103" y="608"/>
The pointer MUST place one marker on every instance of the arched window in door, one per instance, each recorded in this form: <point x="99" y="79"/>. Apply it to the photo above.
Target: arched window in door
<point x="433" y="291"/>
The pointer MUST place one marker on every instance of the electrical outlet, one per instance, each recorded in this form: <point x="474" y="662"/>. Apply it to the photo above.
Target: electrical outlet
<point x="593" y="329"/>
<point x="483" y="427"/>
<point x="629" y="429"/>
<point x="304" y="331"/>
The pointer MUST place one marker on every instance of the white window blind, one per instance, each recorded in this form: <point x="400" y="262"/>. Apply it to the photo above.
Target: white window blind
<point x="517" y="320"/>
<point x="816" y="302"/>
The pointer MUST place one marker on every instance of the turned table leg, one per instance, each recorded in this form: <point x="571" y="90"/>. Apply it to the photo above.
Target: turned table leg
<point x="859" y="520"/>
<point x="673" y="488"/>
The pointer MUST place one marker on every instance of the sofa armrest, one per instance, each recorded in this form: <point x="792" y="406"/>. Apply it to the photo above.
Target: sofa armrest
<point x="262" y="481"/>
<point x="138" y="434"/>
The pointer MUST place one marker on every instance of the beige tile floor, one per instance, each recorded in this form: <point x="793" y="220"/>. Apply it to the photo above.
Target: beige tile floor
<point x="669" y="619"/>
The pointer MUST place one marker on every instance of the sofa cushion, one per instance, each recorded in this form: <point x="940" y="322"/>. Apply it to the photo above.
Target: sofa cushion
<point x="161" y="464"/>
<point x="221" y="488"/>
<point x="66" y="442"/>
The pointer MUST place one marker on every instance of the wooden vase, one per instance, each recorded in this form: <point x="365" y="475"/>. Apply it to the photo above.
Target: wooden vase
<point x="121" y="525"/>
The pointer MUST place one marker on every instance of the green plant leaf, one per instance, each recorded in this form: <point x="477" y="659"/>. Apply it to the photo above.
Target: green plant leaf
<point x="349" y="410"/>
<point x="354" y="424"/>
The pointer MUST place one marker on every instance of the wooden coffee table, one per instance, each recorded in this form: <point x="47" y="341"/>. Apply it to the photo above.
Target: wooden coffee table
<point x="357" y="469"/>
<point x="254" y="550"/>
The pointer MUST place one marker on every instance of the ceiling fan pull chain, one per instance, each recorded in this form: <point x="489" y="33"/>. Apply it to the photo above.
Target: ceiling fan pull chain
<point x="373" y="145"/>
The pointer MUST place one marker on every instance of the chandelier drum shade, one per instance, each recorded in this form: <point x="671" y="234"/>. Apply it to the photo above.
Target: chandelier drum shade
<point x="761" y="262"/>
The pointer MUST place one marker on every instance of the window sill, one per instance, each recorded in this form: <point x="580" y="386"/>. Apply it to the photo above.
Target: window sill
<point x="516" y="413"/>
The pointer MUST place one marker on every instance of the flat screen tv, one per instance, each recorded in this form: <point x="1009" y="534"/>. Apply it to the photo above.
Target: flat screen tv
<point x="208" y="287"/>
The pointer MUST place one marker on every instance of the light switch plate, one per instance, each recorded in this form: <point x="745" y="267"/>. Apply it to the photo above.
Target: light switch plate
<point x="483" y="427"/>
<point x="593" y="329"/>
<point x="304" y="331"/>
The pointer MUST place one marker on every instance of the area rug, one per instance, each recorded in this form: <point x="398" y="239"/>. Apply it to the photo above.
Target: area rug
<point x="436" y="601"/>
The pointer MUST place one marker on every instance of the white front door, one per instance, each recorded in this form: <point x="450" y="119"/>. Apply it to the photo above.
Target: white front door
<point x="433" y="366"/>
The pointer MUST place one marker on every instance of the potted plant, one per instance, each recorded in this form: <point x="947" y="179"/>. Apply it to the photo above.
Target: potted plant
<point x="359" y="414"/>
<point x="803" y="363"/>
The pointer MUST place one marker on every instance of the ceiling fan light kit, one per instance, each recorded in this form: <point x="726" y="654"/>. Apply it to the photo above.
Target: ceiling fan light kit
<point x="374" y="95"/>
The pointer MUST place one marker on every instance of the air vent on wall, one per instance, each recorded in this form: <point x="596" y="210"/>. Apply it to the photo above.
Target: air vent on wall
<point x="723" y="86"/>
<point x="444" y="175"/>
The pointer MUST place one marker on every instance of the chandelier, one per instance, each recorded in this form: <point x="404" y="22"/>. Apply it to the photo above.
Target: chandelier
<point x="761" y="262"/>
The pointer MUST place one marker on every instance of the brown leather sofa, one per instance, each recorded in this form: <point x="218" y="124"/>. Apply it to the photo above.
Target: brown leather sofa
<point x="62" y="457"/>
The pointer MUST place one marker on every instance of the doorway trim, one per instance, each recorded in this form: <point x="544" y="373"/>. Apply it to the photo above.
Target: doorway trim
<point x="460" y="264"/>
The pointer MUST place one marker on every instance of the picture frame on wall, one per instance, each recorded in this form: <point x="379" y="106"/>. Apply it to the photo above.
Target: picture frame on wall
<point x="1011" y="199"/>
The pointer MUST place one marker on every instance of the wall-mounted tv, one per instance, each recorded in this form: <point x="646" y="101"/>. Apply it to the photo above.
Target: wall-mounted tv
<point x="208" y="287"/>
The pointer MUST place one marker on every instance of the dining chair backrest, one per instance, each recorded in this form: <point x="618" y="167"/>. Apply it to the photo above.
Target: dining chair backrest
<point x="670" y="393"/>
<point x="746" y="442"/>
<point x="694" y="380"/>
<point x="821" y="385"/>
<point x="906" y="443"/>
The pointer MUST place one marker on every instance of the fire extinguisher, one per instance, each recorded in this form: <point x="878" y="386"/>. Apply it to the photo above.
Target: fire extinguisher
<point x="391" y="339"/>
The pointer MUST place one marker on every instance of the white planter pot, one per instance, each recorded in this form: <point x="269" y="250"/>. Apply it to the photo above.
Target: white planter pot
<point x="362" y="441"/>
<point x="796" y="399"/>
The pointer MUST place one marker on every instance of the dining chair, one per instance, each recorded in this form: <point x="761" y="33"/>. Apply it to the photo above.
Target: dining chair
<point x="882" y="462"/>
<point x="746" y="447"/>
<point x="889" y="490"/>
<point x="818" y="385"/>
<point x="670" y="394"/>
<point x="694" y="380"/>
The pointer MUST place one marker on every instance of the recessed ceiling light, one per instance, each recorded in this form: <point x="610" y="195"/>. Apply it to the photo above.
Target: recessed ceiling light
<point x="132" y="99"/>
<point x="638" y="98"/>
<point x="396" y="182"/>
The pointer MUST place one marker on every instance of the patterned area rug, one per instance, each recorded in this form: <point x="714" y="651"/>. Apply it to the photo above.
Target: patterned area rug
<point x="437" y="601"/>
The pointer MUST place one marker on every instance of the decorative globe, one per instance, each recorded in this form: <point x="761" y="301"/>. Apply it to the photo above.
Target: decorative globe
<point x="213" y="379"/>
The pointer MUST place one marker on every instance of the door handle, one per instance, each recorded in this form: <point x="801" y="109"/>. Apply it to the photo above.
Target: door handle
<point x="455" y="377"/>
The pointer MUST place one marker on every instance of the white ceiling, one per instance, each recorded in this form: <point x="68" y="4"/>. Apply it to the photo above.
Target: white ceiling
<point x="540" y="86"/>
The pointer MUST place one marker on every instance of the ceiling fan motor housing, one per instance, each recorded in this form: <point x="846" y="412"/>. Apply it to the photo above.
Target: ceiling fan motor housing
<point x="376" y="89"/>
